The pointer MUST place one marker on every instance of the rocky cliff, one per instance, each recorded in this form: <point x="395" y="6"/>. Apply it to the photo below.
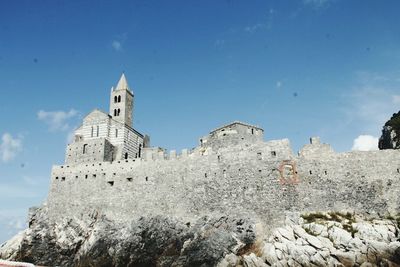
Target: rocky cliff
<point x="318" y="239"/>
<point x="390" y="138"/>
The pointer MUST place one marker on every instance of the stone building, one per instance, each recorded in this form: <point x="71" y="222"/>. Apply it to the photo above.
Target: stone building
<point x="111" y="169"/>
<point x="106" y="137"/>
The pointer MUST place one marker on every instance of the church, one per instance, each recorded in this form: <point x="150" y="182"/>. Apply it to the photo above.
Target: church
<point x="106" y="137"/>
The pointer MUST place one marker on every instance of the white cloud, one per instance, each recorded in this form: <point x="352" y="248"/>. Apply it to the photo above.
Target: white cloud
<point x="118" y="42"/>
<point x="317" y="3"/>
<point x="267" y="24"/>
<point x="117" y="45"/>
<point x="9" y="147"/>
<point x="365" y="143"/>
<point x="254" y="28"/>
<point x="57" y="120"/>
<point x="370" y="106"/>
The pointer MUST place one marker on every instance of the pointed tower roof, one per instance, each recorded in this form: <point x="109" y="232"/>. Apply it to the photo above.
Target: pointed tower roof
<point x="123" y="83"/>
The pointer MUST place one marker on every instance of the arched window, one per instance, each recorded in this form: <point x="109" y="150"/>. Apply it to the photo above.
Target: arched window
<point x="97" y="131"/>
<point x="115" y="112"/>
<point x="115" y="99"/>
<point x="119" y="98"/>
<point x="126" y="155"/>
<point x="119" y="111"/>
<point x="91" y="132"/>
<point x="140" y="150"/>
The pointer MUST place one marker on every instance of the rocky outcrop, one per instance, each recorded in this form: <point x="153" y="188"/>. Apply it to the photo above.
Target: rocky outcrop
<point x="334" y="239"/>
<point x="390" y="138"/>
<point x="147" y="241"/>
<point x="318" y="239"/>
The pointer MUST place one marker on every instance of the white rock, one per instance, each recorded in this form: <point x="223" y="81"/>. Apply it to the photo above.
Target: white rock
<point x="339" y="236"/>
<point x="268" y="253"/>
<point x="282" y="247"/>
<point x="230" y="260"/>
<point x="253" y="261"/>
<point x="313" y="241"/>
<point x="279" y="254"/>
<point x="316" y="228"/>
<point x="293" y="263"/>
<point x="318" y="260"/>
<point x="11" y="247"/>
<point x="326" y="243"/>
<point x="345" y="258"/>
<point x="368" y="264"/>
<point x="309" y="250"/>
<point x="287" y="233"/>
<point x="301" y="242"/>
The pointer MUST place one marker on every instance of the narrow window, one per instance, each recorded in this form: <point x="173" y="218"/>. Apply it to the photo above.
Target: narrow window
<point x="119" y="98"/>
<point x="129" y="179"/>
<point x="126" y="155"/>
<point x="116" y="132"/>
<point x="115" y="112"/>
<point x="326" y="172"/>
<point x="140" y="150"/>
<point x="92" y="132"/>
<point x="111" y="183"/>
<point x="398" y="170"/>
<point x="86" y="176"/>
<point x="205" y="175"/>
<point x="273" y="153"/>
<point x="115" y="99"/>
<point x="119" y="111"/>
<point x="147" y="178"/>
<point x="310" y="172"/>
<point x="98" y="131"/>
<point x="84" y="148"/>
<point x="252" y="131"/>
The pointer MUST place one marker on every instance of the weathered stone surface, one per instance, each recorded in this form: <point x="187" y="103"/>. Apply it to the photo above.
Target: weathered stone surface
<point x="224" y="241"/>
<point x="147" y="241"/>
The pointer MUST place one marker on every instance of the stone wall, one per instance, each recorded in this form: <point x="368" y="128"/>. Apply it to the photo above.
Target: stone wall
<point x="263" y="179"/>
<point x="95" y="150"/>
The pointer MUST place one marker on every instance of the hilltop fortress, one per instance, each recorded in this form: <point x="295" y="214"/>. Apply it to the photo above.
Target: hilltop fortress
<point x="110" y="168"/>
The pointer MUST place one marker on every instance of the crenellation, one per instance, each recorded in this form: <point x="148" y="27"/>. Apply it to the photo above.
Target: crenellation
<point x="232" y="170"/>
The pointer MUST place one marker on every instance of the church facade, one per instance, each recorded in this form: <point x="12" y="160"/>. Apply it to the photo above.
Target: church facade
<point x="106" y="137"/>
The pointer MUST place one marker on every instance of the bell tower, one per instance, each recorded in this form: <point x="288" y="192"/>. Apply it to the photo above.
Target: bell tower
<point x="121" y="102"/>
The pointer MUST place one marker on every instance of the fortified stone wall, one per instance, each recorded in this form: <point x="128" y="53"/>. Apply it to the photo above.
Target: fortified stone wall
<point x="263" y="179"/>
<point x="95" y="150"/>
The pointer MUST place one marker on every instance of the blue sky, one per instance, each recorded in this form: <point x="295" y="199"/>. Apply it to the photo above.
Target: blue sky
<point x="298" y="68"/>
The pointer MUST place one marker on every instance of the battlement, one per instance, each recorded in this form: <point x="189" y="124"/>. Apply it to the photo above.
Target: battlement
<point x="111" y="169"/>
<point x="263" y="178"/>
